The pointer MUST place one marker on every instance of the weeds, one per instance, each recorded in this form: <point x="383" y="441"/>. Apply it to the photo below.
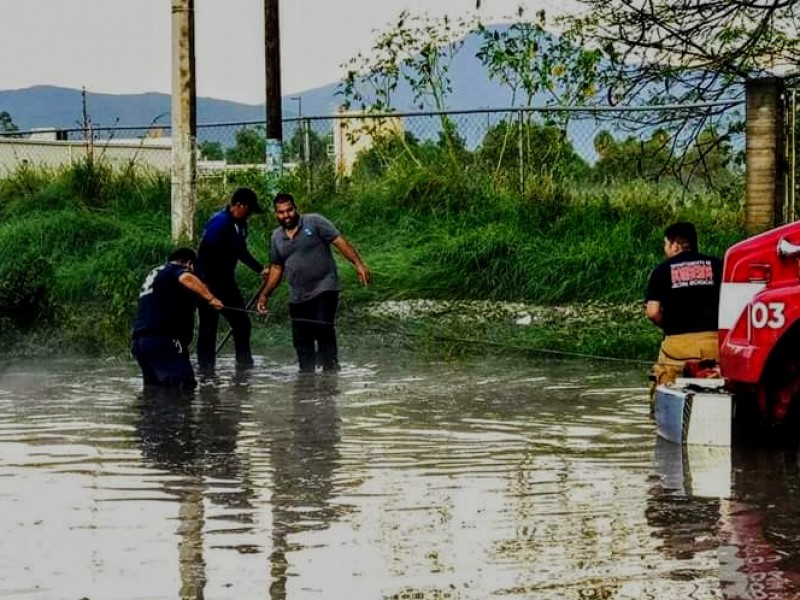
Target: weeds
<point x="76" y="242"/>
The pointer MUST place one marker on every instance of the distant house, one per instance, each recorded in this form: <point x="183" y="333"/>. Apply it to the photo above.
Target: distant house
<point x="47" y="134"/>
<point x="356" y="131"/>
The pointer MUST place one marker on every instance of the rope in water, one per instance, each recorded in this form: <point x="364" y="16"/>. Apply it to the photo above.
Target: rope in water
<point x="463" y="340"/>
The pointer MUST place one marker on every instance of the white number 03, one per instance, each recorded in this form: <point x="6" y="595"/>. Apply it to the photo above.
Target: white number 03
<point x="768" y="315"/>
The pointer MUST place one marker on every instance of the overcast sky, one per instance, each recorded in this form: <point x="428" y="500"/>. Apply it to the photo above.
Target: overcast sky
<point x="123" y="46"/>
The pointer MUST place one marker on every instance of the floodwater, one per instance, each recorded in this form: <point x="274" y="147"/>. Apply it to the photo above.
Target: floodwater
<point x="395" y="479"/>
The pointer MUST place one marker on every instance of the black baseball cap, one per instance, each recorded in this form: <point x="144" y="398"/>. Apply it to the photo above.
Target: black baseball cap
<point x="247" y="197"/>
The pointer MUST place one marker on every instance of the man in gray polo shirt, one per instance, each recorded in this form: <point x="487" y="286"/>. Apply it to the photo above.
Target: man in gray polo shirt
<point x="300" y="250"/>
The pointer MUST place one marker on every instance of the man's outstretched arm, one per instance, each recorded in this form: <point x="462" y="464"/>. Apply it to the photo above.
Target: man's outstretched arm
<point x="346" y="249"/>
<point x="274" y="276"/>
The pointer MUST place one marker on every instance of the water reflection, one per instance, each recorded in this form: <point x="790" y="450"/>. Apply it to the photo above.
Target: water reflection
<point x="685" y="520"/>
<point x="391" y="480"/>
<point x="196" y="437"/>
<point x="193" y="436"/>
<point x="760" y="526"/>
<point x="304" y="457"/>
<point x="169" y="442"/>
<point x="740" y="508"/>
<point x="165" y="429"/>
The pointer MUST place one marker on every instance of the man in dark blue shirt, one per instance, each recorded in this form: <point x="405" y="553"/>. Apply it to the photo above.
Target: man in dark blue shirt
<point x="164" y="322"/>
<point x="224" y="244"/>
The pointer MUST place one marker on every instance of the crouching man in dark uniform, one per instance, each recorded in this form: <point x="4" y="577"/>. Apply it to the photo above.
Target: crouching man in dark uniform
<point x="164" y="322"/>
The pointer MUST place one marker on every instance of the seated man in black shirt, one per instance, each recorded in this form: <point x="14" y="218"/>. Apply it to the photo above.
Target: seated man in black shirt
<point x="683" y="300"/>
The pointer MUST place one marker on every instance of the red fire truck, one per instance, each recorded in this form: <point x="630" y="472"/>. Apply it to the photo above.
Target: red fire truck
<point x="759" y="344"/>
<point x="759" y="332"/>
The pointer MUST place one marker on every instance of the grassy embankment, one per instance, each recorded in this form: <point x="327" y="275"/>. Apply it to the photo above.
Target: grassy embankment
<point x="75" y="244"/>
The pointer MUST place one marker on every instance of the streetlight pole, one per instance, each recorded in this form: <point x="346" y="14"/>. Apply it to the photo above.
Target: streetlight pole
<point x="305" y="125"/>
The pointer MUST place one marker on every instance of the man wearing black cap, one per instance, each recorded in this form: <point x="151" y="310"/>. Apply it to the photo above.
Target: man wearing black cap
<point x="224" y="243"/>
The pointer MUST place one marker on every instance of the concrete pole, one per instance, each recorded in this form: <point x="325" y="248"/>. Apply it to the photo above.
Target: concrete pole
<point x="272" y="70"/>
<point x="184" y="122"/>
<point x="764" y="149"/>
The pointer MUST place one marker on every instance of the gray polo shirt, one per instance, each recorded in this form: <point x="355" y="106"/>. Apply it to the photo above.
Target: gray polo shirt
<point x="307" y="261"/>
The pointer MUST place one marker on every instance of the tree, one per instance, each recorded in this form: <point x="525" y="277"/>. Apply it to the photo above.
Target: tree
<point x="417" y="52"/>
<point x="633" y="157"/>
<point x="294" y="147"/>
<point x="530" y="60"/>
<point x="211" y="150"/>
<point x="250" y="148"/>
<point x="538" y="65"/>
<point x="677" y="52"/>
<point x="6" y="123"/>
<point x="668" y="51"/>
<point x="545" y="149"/>
<point x="707" y="161"/>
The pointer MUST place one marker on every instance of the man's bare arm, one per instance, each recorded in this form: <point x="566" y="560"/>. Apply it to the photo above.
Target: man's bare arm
<point x="653" y="311"/>
<point x="195" y="284"/>
<point x="274" y="277"/>
<point x="346" y="249"/>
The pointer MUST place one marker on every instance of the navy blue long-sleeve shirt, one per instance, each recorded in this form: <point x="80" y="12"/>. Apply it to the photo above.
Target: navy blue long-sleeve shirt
<point x="224" y="243"/>
<point x="166" y="306"/>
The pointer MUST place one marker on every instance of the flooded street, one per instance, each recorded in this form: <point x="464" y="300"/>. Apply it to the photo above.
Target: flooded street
<point x="395" y="479"/>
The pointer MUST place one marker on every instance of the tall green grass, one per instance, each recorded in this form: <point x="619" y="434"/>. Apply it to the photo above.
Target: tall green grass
<point x="76" y="242"/>
<point x="438" y="238"/>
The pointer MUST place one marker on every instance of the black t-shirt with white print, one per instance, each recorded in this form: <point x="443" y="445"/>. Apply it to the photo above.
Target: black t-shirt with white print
<point x="687" y="286"/>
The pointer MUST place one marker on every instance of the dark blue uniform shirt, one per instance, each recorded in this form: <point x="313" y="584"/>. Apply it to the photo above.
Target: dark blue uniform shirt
<point x="224" y="243"/>
<point x="165" y="306"/>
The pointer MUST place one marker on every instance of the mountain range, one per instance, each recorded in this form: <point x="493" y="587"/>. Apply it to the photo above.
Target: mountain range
<point x="47" y="106"/>
<point x="62" y="108"/>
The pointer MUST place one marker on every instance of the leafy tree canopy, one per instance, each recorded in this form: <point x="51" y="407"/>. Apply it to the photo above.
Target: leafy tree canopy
<point x="302" y="142"/>
<point x="6" y="123"/>
<point x="669" y="51"/>
<point x="250" y="148"/>
<point x="708" y="160"/>
<point x="211" y="150"/>
<point x="543" y="145"/>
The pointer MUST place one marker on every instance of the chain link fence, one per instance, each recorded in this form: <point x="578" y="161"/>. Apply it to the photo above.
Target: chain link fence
<point x="686" y="142"/>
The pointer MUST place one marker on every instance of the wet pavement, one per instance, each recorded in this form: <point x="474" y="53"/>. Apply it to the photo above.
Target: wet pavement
<point x="395" y="479"/>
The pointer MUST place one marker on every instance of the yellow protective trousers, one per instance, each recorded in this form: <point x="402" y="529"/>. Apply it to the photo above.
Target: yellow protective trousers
<point x="675" y="350"/>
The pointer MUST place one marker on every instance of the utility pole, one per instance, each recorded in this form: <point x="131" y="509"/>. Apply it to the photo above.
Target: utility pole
<point x="184" y="122"/>
<point x="764" y="148"/>
<point x="272" y="64"/>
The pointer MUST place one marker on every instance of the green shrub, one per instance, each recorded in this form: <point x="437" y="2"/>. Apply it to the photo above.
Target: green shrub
<point x="26" y="291"/>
